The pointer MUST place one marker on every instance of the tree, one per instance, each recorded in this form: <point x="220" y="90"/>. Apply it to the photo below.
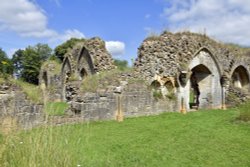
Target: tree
<point x="121" y="64"/>
<point x="62" y="49"/>
<point x="28" y="62"/>
<point x="6" y="66"/>
<point x="17" y="62"/>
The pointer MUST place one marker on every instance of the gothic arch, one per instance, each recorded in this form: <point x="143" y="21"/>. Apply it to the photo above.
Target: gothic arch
<point x="66" y="66"/>
<point x="202" y="82"/>
<point x="240" y="77"/>
<point x="215" y="60"/>
<point x="66" y="72"/>
<point x="85" y="62"/>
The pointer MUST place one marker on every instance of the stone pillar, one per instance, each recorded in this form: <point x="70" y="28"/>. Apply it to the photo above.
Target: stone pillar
<point x="183" y="106"/>
<point x="119" y="112"/>
<point x="225" y="85"/>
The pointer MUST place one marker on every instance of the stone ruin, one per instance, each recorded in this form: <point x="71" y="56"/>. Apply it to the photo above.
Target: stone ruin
<point x="202" y="73"/>
<point x="173" y="72"/>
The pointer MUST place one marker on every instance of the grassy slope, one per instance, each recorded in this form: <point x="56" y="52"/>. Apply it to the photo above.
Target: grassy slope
<point x="171" y="139"/>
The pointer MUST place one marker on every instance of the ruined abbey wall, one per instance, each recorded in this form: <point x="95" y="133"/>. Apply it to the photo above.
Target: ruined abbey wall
<point x="173" y="72"/>
<point x="179" y="55"/>
<point x="17" y="108"/>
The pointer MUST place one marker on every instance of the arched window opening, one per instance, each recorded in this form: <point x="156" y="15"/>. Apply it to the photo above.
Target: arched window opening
<point x="83" y="74"/>
<point x="240" y="78"/>
<point x="156" y="89"/>
<point x="45" y="79"/>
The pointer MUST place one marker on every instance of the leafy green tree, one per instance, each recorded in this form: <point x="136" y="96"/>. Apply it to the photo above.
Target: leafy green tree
<point x="28" y="62"/>
<point x="17" y="61"/>
<point x="62" y="49"/>
<point x="121" y="64"/>
<point x="6" y="66"/>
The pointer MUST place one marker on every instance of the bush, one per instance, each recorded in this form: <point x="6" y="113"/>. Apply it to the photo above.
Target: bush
<point x="121" y="64"/>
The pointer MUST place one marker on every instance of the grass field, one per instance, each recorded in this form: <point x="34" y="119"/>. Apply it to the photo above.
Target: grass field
<point x="205" y="138"/>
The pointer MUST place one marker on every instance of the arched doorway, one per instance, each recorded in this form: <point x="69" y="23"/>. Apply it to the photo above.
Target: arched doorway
<point x="200" y="87"/>
<point x="240" y="78"/>
<point x="203" y="89"/>
<point x="45" y="79"/>
<point x="66" y="73"/>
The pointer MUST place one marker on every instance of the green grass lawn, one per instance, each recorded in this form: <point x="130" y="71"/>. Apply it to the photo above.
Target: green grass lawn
<point x="205" y="138"/>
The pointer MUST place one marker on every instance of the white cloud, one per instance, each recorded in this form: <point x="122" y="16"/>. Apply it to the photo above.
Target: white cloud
<point x="67" y="35"/>
<point x="27" y="19"/>
<point x="116" y="48"/>
<point x="24" y="18"/>
<point x="227" y="20"/>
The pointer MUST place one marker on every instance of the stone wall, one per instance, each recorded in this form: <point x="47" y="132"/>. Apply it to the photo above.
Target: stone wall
<point x="171" y="56"/>
<point x="133" y="100"/>
<point x="168" y="54"/>
<point x="94" y="52"/>
<point x="15" y="104"/>
<point x="50" y="80"/>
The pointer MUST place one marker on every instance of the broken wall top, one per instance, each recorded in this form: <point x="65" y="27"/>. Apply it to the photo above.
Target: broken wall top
<point x="169" y="53"/>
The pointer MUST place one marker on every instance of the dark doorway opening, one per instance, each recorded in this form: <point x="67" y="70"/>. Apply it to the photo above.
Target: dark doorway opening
<point x="200" y="87"/>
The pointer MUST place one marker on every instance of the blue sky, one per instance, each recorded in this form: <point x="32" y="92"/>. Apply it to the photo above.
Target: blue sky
<point x="123" y="24"/>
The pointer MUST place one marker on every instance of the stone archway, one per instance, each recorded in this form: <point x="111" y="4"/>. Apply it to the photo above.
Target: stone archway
<point x="240" y="78"/>
<point x="85" y="64"/>
<point x="156" y="89"/>
<point x="205" y="69"/>
<point x="66" y="73"/>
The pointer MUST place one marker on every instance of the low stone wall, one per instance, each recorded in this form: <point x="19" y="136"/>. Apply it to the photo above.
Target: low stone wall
<point x="15" y="106"/>
<point x="134" y="100"/>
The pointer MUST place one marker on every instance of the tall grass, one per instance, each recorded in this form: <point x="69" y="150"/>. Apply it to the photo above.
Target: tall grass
<point x="33" y="92"/>
<point x="205" y="138"/>
<point x="56" y="108"/>
<point x="102" y="80"/>
<point x="244" y="111"/>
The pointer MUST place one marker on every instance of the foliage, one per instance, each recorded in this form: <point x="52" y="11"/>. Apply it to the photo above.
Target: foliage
<point x="205" y="138"/>
<point x="121" y="64"/>
<point x="28" y="62"/>
<point x="6" y="66"/>
<point x="33" y="92"/>
<point x="101" y="80"/>
<point x="56" y="108"/>
<point x="244" y="110"/>
<point x="157" y="94"/>
<point x="171" y="96"/>
<point x="17" y="62"/>
<point x="62" y="49"/>
<point x="55" y="63"/>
